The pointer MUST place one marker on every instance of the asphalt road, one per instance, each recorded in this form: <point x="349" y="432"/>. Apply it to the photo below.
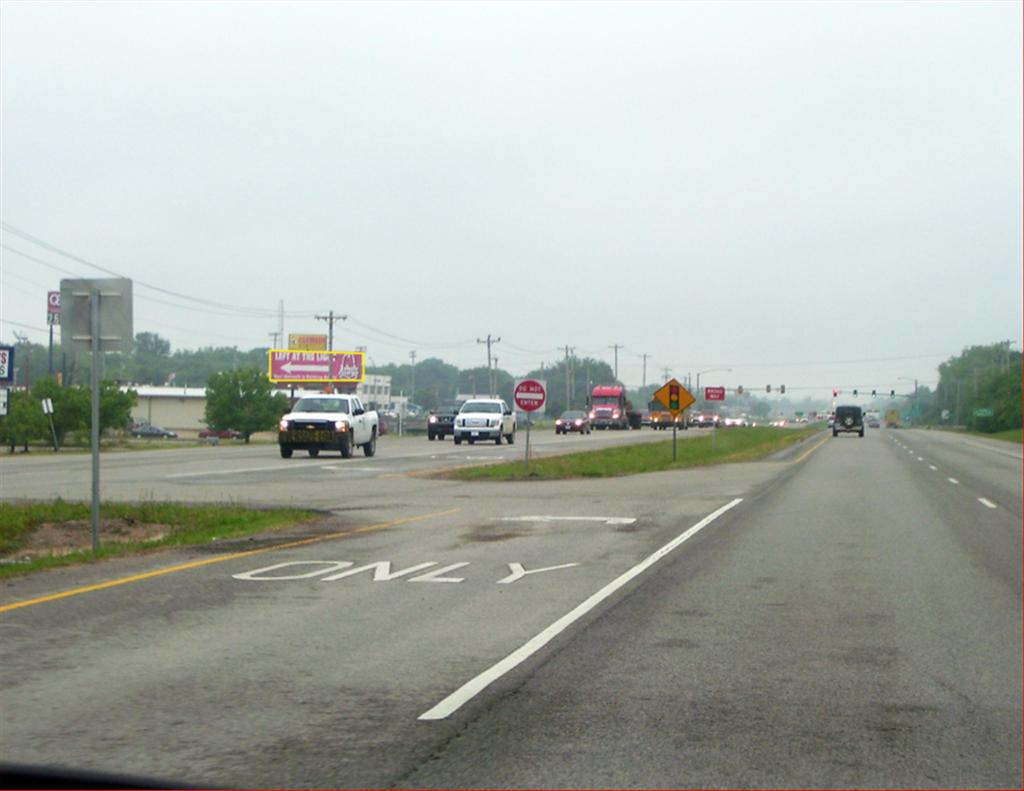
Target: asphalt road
<point x="847" y="614"/>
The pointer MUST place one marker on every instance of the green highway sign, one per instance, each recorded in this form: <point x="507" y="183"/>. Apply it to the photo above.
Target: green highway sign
<point x="983" y="412"/>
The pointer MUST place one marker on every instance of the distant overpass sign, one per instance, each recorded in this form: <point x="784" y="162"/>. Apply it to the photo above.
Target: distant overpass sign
<point x="286" y="365"/>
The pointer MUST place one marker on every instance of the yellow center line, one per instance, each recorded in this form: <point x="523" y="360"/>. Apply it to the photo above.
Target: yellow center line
<point x="218" y="559"/>
<point x="811" y="450"/>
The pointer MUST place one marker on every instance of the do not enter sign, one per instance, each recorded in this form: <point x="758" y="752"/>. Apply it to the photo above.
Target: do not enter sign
<point x="529" y="395"/>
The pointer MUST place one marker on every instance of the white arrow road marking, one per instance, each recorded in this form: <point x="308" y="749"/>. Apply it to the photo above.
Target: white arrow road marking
<point x="608" y="520"/>
<point x="475" y="686"/>
<point x="518" y="572"/>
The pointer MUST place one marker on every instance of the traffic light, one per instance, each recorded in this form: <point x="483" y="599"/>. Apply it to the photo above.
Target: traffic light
<point x="739" y="390"/>
<point x="855" y="391"/>
<point x="892" y="394"/>
<point x="873" y="393"/>
<point x="768" y="389"/>
<point x="673" y="397"/>
<point x="782" y="389"/>
<point x="834" y="392"/>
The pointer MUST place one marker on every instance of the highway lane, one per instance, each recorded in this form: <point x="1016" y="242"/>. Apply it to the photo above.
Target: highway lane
<point x="212" y="678"/>
<point x="833" y="632"/>
<point x="843" y="625"/>
<point x="251" y="473"/>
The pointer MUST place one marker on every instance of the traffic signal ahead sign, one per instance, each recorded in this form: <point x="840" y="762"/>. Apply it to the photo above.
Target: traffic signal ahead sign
<point x="674" y="397"/>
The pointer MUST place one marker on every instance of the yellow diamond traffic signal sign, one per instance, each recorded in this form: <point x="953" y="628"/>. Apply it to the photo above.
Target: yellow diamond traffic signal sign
<point x="674" y="397"/>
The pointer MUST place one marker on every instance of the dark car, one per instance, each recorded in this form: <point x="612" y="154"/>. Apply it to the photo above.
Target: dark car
<point x="849" y="419"/>
<point x="573" y="420"/>
<point x="441" y="422"/>
<point x="151" y="432"/>
<point x="227" y="433"/>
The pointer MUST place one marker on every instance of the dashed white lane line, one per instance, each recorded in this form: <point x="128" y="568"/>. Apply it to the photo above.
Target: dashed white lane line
<point x="953" y="480"/>
<point x="987" y="503"/>
<point x="920" y="458"/>
<point x="932" y="467"/>
<point x="476" y="685"/>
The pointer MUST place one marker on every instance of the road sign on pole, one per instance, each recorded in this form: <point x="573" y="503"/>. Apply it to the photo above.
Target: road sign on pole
<point x="714" y="393"/>
<point x="674" y="397"/>
<point x="284" y="365"/>
<point x="529" y="395"/>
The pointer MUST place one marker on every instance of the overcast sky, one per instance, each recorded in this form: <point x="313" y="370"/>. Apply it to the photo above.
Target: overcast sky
<point x="797" y="191"/>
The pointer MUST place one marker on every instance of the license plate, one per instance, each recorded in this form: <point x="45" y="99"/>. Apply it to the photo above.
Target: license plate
<point x="307" y="435"/>
<point x="474" y="433"/>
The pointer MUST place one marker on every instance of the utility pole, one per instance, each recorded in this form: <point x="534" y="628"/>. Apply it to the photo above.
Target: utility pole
<point x="275" y="337"/>
<point x="22" y="338"/>
<point x="665" y="372"/>
<point x="568" y="392"/>
<point x="280" y="320"/>
<point x="616" y="346"/>
<point x="331" y="320"/>
<point x="412" y="388"/>
<point x="644" y="358"/>
<point x="490" y="376"/>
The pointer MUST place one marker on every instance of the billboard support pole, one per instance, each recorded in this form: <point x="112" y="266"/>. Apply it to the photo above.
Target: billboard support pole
<point x="94" y="322"/>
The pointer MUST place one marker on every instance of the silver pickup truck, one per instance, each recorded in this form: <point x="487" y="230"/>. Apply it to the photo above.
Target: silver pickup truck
<point x="328" y="422"/>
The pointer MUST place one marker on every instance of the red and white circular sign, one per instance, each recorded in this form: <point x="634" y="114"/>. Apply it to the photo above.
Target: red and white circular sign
<point x="529" y="395"/>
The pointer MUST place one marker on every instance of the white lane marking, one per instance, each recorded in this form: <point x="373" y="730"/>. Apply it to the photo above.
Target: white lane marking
<point x="932" y="467"/>
<point x="987" y="503"/>
<point x="475" y="686"/>
<point x="381" y="571"/>
<point x="608" y="520"/>
<point x="953" y="480"/>
<point x="919" y="458"/>
<point x="518" y="572"/>
<point x="257" y="574"/>
<point x="339" y="468"/>
<point x="276" y="468"/>
<point x="435" y="575"/>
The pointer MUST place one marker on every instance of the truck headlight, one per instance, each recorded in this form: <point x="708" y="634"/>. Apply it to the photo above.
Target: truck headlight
<point x="282" y="425"/>
<point x="433" y="419"/>
<point x="341" y="425"/>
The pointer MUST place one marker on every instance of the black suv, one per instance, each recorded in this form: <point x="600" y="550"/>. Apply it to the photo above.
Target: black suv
<point x="441" y="422"/>
<point x="848" y="419"/>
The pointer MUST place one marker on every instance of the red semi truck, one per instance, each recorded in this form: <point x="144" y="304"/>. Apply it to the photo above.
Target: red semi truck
<point x="609" y="408"/>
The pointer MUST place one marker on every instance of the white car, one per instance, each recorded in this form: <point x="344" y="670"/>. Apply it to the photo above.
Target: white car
<point x="485" y="419"/>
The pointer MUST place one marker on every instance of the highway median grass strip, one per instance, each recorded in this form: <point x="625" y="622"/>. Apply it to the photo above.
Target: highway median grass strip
<point x="727" y="446"/>
<point x="35" y="536"/>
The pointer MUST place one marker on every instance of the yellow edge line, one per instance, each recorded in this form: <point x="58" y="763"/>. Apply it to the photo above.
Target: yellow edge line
<point x="219" y="559"/>
<point x="810" y="450"/>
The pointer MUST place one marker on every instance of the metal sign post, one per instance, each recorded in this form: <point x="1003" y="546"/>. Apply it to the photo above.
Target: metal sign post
<point x="676" y="399"/>
<point x="529" y="395"/>
<point x="87" y="306"/>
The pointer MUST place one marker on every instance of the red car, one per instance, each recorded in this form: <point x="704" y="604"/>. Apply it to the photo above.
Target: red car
<point x="228" y="433"/>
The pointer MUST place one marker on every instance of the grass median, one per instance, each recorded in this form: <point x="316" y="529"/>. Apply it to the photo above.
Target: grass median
<point x="727" y="445"/>
<point x="35" y="536"/>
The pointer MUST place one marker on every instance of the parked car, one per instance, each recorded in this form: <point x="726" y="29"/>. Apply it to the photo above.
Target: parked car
<point x="441" y="422"/>
<point x="151" y="432"/>
<point x="227" y="433"/>
<point x="573" y="420"/>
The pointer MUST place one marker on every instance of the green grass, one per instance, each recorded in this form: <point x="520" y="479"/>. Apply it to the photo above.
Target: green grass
<point x="729" y="445"/>
<point x="185" y="525"/>
<point x="1010" y="435"/>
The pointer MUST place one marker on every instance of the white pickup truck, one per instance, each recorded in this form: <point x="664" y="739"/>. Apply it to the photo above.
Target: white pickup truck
<point x="328" y="422"/>
<point x="485" y="419"/>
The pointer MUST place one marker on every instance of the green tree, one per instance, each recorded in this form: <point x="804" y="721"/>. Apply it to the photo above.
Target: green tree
<point x="243" y="400"/>
<point x="24" y="422"/>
